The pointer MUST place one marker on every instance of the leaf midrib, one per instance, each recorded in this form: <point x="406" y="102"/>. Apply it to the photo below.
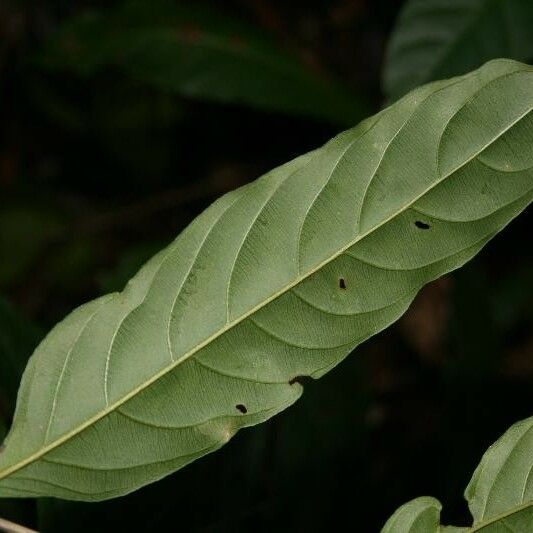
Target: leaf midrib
<point x="109" y="409"/>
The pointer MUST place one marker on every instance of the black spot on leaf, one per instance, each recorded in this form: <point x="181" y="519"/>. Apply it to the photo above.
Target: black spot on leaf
<point x="421" y="225"/>
<point x="342" y="283"/>
<point x="242" y="408"/>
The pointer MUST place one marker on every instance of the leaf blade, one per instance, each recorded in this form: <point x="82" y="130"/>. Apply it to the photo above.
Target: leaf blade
<point x="421" y="515"/>
<point x="158" y="379"/>
<point x="501" y="488"/>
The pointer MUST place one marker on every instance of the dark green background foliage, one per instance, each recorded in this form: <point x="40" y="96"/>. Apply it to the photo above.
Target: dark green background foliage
<point x="122" y="121"/>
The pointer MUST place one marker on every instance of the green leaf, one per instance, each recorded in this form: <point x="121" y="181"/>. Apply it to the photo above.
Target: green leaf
<point x="421" y="515"/>
<point x="198" y="53"/>
<point x="279" y="279"/>
<point x="499" y="495"/>
<point x="436" y="39"/>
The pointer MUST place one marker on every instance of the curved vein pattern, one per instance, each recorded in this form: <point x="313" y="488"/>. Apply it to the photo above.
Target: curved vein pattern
<point x="279" y="279"/>
<point x="502" y="485"/>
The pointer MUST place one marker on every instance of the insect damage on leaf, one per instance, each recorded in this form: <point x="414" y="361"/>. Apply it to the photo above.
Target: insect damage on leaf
<point x="422" y="225"/>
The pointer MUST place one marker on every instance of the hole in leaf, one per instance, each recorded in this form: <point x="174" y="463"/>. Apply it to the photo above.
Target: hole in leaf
<point x="242" y="408"/>
<point x="299" y="379"/>
<point x="342" y="283"/>
<point x="422" y="225"/>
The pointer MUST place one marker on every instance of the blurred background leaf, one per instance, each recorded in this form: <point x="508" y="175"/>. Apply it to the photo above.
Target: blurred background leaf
<point x="198" y="52"/>
<point x="435" y="39"/>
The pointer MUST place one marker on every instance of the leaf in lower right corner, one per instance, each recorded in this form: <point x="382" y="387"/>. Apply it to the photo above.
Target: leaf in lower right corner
<point x="421" y="515"/>
<point x="499" y="495"/>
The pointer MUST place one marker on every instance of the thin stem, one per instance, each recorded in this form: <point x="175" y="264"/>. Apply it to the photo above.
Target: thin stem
<point x="10" y="527"/>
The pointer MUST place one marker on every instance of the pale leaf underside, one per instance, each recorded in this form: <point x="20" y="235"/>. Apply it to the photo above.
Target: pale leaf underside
<point x="279" y="279"/>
